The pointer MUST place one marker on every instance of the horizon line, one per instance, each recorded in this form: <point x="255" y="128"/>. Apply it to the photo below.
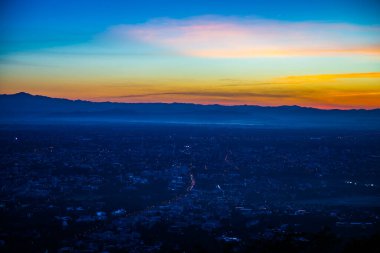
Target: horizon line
<point x="199" y="104"/>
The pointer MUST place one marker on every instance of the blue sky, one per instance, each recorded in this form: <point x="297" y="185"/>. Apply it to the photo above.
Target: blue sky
<point x="313" y="53"/>
<point x="42" y="23"/>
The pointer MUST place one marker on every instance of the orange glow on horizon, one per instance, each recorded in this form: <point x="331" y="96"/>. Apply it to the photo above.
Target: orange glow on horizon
<point x="325" y="91"/>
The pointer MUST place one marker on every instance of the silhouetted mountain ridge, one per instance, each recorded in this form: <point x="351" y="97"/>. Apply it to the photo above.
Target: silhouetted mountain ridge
<point x="26" y="107"/>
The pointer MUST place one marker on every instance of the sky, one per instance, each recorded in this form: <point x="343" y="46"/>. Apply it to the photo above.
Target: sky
<point x="323" y="54"/>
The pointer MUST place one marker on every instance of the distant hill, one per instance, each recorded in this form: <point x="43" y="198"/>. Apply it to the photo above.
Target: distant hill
<point x="24" y="107"/>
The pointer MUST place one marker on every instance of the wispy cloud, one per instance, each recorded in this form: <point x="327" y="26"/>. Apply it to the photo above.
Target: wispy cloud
<point x="339" y="90"/>
<point x="228" y="37"/>
<point x="337" y="82"/>
<point x="329" y="77"/>
<point x="208" y="94"/>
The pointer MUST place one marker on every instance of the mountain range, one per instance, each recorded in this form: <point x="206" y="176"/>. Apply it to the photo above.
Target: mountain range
<point x="26" y="108"/>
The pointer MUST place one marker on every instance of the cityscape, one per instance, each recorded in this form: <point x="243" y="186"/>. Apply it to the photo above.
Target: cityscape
<point x="160" y="188"/>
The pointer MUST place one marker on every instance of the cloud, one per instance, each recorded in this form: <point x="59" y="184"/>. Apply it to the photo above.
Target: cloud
<point x="228" y="37"/>
<point x="207" y="94"/>
<point x="363" y="94"/>
<point x="326" y="77"/>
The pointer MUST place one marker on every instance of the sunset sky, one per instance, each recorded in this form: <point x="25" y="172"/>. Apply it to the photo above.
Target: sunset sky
<point x="323" y="54"/>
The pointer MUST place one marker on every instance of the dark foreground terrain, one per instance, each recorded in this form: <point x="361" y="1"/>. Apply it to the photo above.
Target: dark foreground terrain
<point x="181" y="188"/>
